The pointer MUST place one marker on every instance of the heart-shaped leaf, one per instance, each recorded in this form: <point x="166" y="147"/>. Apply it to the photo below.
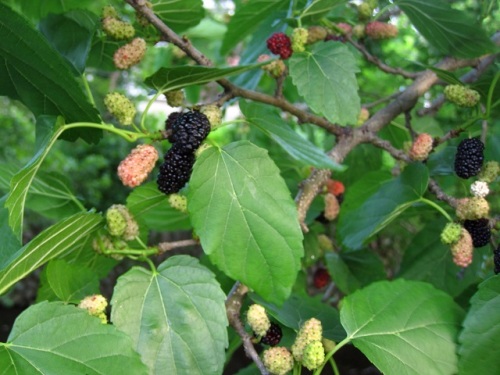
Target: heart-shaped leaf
<point x="175" y="316"/>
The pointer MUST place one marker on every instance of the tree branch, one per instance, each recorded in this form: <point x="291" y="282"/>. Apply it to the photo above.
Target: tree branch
<point x="234" y="302"/>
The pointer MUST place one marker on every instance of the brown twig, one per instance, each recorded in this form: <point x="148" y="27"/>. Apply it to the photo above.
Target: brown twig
<point x="435" y="189"/>
<point x="167" y="246"/>
<point x="234" y="302"/>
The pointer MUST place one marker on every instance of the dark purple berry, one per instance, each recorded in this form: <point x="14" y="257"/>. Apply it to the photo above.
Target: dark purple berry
<point x="469" y="158"/>
<point x="479" y="230"/>
<point x="272" y="336"/>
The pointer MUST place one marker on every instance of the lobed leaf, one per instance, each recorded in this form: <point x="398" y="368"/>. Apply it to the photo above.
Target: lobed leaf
<point x="326" y="78"/>
<point x="53" y="338"/>
<point x="404" y="327"/>
<point x="175" y="316"/>
<point x="246" y="219"/>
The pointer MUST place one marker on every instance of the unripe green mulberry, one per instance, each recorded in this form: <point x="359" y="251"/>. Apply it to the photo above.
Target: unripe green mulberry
<point x="277" y="360"/>
<point x="364" y="115"/>
<point x="117" y="29"/>
<point x="109" y="11"/>
<point x="177" y="201"/>
<point x="325" y="243"/>
<point x="489" y="172"/>
<point x="358" y="31"/>
<point x="461" y="95"/>
<point x="130" y="54"/>
<point x="175" y="98"/>
<point x="130" y="230"/>
<point x="299" y="39"/>
<point x="315" y="34"/>
<point x="275" y="68"/>
<point x="328" y="345"/>
<point x="95" y="305"/>
<point x="451" y="233"/>
<point x="364" y="11"/>
<point x="102" y="242"/>
<point x="116" y="222"/>
<point x="472" y="208"/>
<point x="214" y="114"/>
<point x="120" y="107"/>
<point x="314" y="355"/>
<point x="258" y="320"/>
<point x="310" y="331"/>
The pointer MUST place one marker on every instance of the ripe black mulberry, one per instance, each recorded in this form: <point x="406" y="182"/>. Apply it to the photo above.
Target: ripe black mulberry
<point x="272" y="336"/>
<point x="479" y="230"/>
<point x="175" y="170"/>
<point x="496" y="260"/>
<point x="189" y="130"/>
<point x="469" y="158"/>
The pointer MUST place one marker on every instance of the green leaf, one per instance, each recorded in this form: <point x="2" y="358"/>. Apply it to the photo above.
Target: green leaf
<point x="175" y="316"/>
<point x="270" y="123"/>
<point x="428" y="259"/>
<point x="34" y="73"/>
<point x="21" y="181"/>
<point x="247" y="19"/>
<point x="354" y="270"/>
<point x="479" y="345"/>
<point x="179" y="15"/>
<point x="299" y="308"/>
<point x="451" y="31"/>
<point x="404" y="327"/>
<point x="71" y="34"/>
<point x="326" y="79"/>
<point x="10" y="242"/>
<point x="37" y="10"/>
<point x="67" y="282"/>
<point x="53" y="338"/>
<point x="359" y="222"/>
<point x="167" y="79"/>
<point x="246" y="219"/>
<point x="151" y="205"/>
<point x="319" y="8"/>
<point x="48" y="245"/>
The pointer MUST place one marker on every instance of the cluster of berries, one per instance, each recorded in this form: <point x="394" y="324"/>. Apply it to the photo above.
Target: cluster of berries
<point x="187" y="132"/>
<point x="473" y="229"/>
<point x="308" y="348"/>
<point x="333" y="197"/>
<point x="121" y="227"/>
<point x="114" y="27"/>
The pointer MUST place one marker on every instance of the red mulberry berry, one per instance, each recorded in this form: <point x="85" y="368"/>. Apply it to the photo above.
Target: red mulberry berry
<point x="321" y="278"/>
<point x="280" y="44"/>
<point x="136" y="167"/>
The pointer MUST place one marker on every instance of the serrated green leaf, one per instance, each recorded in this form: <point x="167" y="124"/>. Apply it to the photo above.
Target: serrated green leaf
<point x="451" y="31"/>
<point x="34" y="73"/>
<point x="299" y="308"/>
<point x="359" y="222"/>
<point x="179" y="15"/>
<point x="404" y="327"/>
<point x="428" y="259"/>
<point x="246" y="219"/>
<point x="53" y="338"/>
<point x="247" y="19"/>
<point x="101" y="54"/>
<point x="270" y="123"/>
<point x="326" y="78"/>
<point x="67" y="282"/>
<point x="21" y="181"/>
<point x="71" y="34"/>
<point x="36" y="10"/>
<point x="151" y="205"/>
<point x="167" y="79"/>
<point x="49" y="244"/>
<point x="175" y="316"/>
<point x="319" y="8"/>
<point x="354" y="270"/>
<point x="479" y="345"/>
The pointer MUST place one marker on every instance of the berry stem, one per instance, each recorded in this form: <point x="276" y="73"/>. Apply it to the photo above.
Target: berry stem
<point x="128" y="135"/>
<point x="437" y="207"/>
<point x="330" y="355"/>
<point x="87" y="89"/>
<point x="334" y="366"/>
<point x="489" y="106"/>
<point x="146" y="110"/>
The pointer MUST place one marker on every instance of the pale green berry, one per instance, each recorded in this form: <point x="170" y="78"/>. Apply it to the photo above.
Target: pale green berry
<point x="451" y="233"/>
<point x="120" y="107"/>
<point x="258" y="320"/>
<point x="175" y="98"/>
<point x="277" y="360"/>
<point x="314" y="355"/>
<point x="94" y="304"/>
